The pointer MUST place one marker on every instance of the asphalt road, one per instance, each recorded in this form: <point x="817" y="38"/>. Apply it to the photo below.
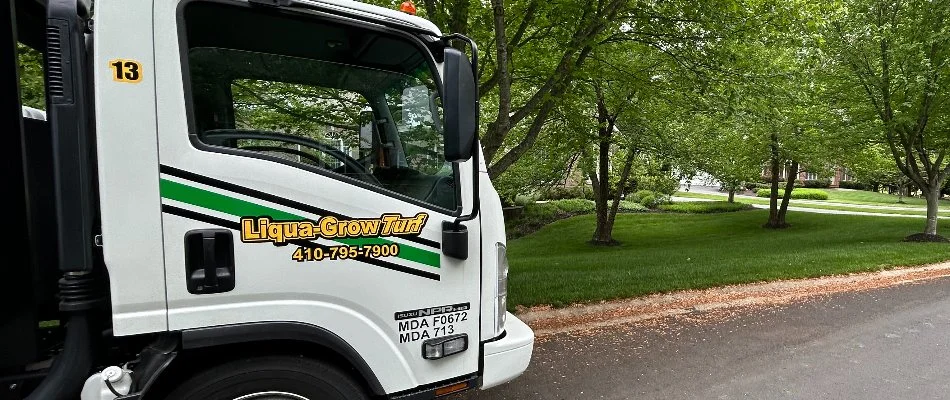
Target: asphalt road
<point x="891" y="343"/>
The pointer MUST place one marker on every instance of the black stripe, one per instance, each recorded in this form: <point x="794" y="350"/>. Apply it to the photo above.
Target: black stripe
<point x="165" y="169"/>
<point x="181" y="212"/>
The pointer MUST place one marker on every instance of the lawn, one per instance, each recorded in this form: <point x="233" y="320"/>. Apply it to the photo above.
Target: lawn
<point x="945" y="211"/>
<point x="875" y="198"/>
<point x="662" y="252"/>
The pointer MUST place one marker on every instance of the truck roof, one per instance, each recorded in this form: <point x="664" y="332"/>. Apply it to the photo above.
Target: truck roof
<point x="354" y="7"/>
<point x="376" y="12"/>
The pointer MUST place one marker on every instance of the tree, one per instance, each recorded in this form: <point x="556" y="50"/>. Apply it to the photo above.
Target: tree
<point x="606" y="116"/>
<point x="894" y="57"/>
<point x="873" y="166"/>
<point x="534" y="50"/>
<point x="776" y="91"/>
<point x="627" y="88"/>
<point x="729" y="153"/>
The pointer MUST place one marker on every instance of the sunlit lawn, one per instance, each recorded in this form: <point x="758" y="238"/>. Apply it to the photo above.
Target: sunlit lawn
<point x="662" y="252"/>
<point x="875" y="198"/>
<point x="839" y="205"/>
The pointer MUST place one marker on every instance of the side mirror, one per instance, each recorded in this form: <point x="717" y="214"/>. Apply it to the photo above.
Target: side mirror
<point x="459" y="105"/>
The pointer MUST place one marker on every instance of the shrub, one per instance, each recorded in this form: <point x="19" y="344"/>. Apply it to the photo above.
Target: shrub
<point x="540" y="211"/>
<point x="522" y="200"/>
<point x="807" y="194"/>
<point x="639" y="195"/>
<point x="561" y="192"/>
<point x="536" y="215"/>
<point x="630" y="206"/>
<point x="659" y="184"/>
<point x="574" y="206"/>
<point x="648" y="201"/>
<point x="704" y="207"/>
<point x="812" y="194"/>
<point x="817" y="183"/>
<point x="853" y="185"/>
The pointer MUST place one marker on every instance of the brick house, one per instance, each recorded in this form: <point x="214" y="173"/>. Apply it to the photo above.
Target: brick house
<point x="840" y="175"/>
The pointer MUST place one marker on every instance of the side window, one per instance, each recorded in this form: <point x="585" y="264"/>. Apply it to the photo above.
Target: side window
<point x="32" y="91"/>
<point x="324" y="119"/>
<point x="357" y="105"/>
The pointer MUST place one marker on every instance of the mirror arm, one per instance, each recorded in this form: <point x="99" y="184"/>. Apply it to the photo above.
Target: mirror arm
<point x="476" y="203"/>
<point x="458" y="36"/>
<point x="457" y="225"/>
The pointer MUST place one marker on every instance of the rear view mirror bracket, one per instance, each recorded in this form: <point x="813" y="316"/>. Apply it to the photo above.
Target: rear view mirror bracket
<point x="455" y="233"/>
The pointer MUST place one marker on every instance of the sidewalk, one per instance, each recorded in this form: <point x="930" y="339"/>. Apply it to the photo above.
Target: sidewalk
<point x="824" y="211"/>
<point x="815" y="202"/>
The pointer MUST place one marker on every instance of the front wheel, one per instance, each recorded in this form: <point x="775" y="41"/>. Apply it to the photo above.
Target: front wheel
<point x="271" y="378"/>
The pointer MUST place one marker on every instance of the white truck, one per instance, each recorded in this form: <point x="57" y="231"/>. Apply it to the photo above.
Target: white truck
<point x="248" y="199"/>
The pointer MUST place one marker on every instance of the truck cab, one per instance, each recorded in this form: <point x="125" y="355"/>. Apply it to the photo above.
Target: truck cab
<point x="238" y="199"/>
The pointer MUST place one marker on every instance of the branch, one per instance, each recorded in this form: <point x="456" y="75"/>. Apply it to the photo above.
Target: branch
<point x="293" y="113"/>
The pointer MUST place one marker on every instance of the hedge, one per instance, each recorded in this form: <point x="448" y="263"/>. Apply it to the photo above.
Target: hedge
<point x="853" y="185"/>
<point x="807" y="194"/>
<point x="704" y="207"/>
<point x="817" y="183"/>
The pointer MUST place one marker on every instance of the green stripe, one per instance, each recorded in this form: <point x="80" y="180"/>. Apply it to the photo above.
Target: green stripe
<point x="407" y="252"/>
<point x="215" y="201"/>
<point x="219" y="202"/>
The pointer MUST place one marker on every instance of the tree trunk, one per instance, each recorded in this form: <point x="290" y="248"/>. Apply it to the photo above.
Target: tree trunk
<point x="790" y="176"/>
<point x="624" y="176"/>
<point x="602" y="234"/>
<point x="933" y="203"/>
<point x="773" y="196"/>
<point x="732" y="195"/>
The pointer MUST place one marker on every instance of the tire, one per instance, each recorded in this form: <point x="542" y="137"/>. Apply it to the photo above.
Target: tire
<point x="270" y="378"/>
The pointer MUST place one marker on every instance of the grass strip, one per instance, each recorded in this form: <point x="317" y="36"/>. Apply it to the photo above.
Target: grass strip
<point x="663" y="252"/>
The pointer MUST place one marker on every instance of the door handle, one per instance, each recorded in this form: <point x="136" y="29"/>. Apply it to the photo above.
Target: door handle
<point x="209" y="261"/>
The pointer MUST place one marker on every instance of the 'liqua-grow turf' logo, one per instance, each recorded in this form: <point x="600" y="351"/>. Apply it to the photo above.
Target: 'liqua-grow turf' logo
<point x="264" y="229"/>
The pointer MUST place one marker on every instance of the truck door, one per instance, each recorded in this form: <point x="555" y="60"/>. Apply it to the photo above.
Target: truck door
<point x="303" y="180"/>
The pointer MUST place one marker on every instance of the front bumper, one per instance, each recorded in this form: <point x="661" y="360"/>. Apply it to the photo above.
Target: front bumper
<point x="509" y="356"/>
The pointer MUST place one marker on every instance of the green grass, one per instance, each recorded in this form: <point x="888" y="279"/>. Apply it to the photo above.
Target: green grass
<point x="875" y="198"/>
<point x="704" y="207"/>
<point x="662" y="252"/>
<point x="856" y="207"/>
<point x="536" y="215"/>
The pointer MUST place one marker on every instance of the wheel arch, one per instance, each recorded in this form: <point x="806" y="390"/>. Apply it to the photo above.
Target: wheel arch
<point x="202" y="348"/>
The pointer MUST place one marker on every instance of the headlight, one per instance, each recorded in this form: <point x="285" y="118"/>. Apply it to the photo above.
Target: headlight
<point x="501" y="290"/>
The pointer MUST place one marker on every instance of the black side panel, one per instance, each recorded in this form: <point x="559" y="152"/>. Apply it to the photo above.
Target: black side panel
<point x="292" y="331"/>
<point x="41" y="212"/>
<point x="72" y="140"/>
<point x="17" y="317"/>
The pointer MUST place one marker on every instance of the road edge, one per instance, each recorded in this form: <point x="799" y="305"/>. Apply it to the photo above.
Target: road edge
<point x="546" y="320"/>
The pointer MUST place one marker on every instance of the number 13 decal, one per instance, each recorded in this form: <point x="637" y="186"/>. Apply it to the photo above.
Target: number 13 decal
<point x="128" y="71"/>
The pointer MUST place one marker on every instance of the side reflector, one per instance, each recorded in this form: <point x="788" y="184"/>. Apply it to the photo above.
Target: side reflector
<point x="436" y="348"/>
<point x="458" y="387"/>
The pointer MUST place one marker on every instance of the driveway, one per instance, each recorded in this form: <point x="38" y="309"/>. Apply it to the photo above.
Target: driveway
<point x="884" y="343"/>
